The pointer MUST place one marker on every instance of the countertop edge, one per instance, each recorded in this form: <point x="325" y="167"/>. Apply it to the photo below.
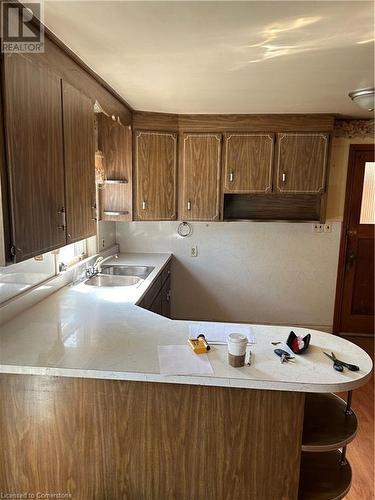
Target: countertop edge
<point x="184" y="379"/>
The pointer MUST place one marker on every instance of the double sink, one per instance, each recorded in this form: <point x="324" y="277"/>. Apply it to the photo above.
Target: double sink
<point x="120" y="276"/>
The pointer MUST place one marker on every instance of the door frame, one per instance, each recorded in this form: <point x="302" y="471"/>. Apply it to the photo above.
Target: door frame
<point x="354" y="148"/>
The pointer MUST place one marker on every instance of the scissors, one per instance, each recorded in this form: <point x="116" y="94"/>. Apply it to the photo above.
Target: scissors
<point x="339" y="365"/>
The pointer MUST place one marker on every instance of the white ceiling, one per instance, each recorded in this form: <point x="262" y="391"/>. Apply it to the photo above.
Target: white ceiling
<point x="224" y="57"/>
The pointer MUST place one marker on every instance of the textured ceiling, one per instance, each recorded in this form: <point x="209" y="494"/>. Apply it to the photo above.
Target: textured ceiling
<point x="224" y="57"/>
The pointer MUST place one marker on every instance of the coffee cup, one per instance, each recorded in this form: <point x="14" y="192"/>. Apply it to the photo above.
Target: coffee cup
<point x="237" y="343"/>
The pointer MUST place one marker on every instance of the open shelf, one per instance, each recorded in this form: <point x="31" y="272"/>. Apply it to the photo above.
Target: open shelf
<point x="326" y="426"/>
<point x="272" y="207"/>
<point x="322" y="477"/>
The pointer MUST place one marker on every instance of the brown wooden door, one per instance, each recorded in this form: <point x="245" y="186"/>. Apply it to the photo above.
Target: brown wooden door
<point x="79" y="159"/>
<point x="354" y="312"/>
<point x="248" y="163"/>
<point x="301" y="162"/>
<point x="33" y="122"/>
<point x="200" y="179"/>
<point x="155" y="175"/>
<point x="115" y="144"/>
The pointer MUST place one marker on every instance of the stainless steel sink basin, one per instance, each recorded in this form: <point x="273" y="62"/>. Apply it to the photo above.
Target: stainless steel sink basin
<point x="113" y="280"/>
<point x="139" y="271"/>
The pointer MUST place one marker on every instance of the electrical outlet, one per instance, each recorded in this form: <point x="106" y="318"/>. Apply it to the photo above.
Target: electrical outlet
<point x="318" y="228"/>
<point x="328" y="228"/>
<point x="103" y="243"/>
<point x="194" y="251"/>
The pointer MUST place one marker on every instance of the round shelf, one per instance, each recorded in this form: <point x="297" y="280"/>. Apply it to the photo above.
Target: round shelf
<point x="326" y="427"/>
<point x="322" y="477"/>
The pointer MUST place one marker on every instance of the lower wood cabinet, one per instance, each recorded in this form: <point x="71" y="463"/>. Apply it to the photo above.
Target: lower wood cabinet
<point x="158" y="297"/>
<point x="155" y="171"/>
<point x="200" y="164"/>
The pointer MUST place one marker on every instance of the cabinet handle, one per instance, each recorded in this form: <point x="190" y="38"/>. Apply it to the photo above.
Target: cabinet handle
<point x="93" y="209"/>
<point x="143" y="205"/>
<point x="189" y="205"/>
<point x="168" y="296"/>
<point x="61" y="214"/>
<point x="231" y="177"/>
<point x="283" y="177"/>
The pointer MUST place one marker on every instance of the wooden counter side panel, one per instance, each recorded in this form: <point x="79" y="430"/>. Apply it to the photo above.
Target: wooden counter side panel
<point x="106" y="439"/>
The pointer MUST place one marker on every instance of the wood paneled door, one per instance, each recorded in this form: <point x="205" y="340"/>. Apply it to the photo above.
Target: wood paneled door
<point x="115" y="145"/>
<point x="79" y="159"/>
<point x="248" y="163"/>
<point x="200" y="177"/>
<point x="34" y="139"/>
<point x="354" y="310"/>
<point x="155" y="161"/>
<point x="301" y="162"/>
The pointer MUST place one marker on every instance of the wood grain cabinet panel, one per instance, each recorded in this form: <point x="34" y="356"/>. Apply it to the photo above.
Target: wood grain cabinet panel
<point x="302" y="162"/>
<point x="155" y="175"/>
<point x="115" y="144"/>
<point x="34" y="137"/>
<point x="79" y="159"/>
<point x="248" y="163"/>
<point x="200" y="176"/>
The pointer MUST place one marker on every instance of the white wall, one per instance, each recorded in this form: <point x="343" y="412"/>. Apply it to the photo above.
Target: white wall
<point x="245" y="271"/>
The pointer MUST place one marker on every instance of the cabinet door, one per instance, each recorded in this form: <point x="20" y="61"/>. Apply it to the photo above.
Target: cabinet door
<point x="248" y="160"/>
<point x="79" y="159"/>
<point x="155" y="175"/>
<point x="166" y="299"/>
<point x="302" y="162"/>
<point x="33" y="123"/>
<point x="115" y="145"/>
<point x="200" y="179"/>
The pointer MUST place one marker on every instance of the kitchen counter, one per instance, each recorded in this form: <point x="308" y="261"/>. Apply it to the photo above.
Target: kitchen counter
<point x="100" y="333"/>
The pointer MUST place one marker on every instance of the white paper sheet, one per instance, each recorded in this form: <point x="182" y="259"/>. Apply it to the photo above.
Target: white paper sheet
<point x="181" y="360"/>
<point x="218" y="333"/>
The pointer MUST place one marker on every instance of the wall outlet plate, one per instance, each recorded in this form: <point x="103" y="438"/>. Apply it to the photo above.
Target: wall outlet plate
<point x="317" y="228"/>
<point x="328" y="228"/>
<point x="194" y="251"/>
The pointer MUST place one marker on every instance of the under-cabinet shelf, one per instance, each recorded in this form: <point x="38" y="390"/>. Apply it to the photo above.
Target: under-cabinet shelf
<point x="326" y="426"/>
<point x="115" y="212"/>
<point x="322" y="477"/>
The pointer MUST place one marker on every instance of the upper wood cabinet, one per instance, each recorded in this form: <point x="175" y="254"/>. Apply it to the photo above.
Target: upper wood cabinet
<point x="79" y="159"/>
<point x="34" y="139"/>
<point x="115" y="146"/>
<point x="301" y="162"/>
<point x="155" y="175"/>
<point x="248" y="163"/>
<point x="200" y="176"/>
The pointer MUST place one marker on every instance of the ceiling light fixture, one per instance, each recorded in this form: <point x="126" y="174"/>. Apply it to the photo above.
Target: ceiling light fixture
<point x="364" y="98"/>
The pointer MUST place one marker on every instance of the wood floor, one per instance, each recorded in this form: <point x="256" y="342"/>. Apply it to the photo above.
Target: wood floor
<point x="361" y="451"/>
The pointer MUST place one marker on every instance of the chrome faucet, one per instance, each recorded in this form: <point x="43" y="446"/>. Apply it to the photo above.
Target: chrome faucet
<point x="96" y="268"/>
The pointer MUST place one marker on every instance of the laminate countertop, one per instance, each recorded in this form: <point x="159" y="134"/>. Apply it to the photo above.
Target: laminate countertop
<point x="92" y="332"/>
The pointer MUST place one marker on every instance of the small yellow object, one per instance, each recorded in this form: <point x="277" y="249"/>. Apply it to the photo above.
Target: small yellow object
<point x="199" y="345"/>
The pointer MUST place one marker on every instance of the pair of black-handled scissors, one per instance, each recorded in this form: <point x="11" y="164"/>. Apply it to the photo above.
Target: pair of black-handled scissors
<point x="339" y="365"/>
